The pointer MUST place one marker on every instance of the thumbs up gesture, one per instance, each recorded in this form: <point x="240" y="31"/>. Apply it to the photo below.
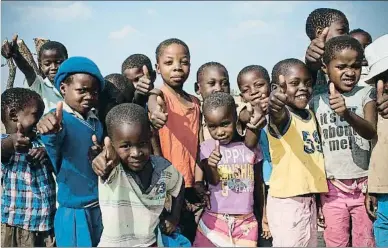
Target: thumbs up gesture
<point x="337" y="101"/>
<point x="382" y="99"/>
<point x="278" y="97"/>
<point x="105" y="161"/>
<point x="158" y="117"/>
<point x="316" y="48"/>
<point x="9" y="49"/>
<point x="51" y="122"/>
<point x="144" y="85"/>
<point x="257" y="119"/>
<point x="215" y="156"/>
<point x="21" y="143"/>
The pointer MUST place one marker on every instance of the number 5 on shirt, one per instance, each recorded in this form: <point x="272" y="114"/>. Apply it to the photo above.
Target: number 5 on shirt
<point x="310" y="145"/>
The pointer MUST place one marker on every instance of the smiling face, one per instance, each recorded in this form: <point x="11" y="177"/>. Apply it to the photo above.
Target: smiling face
<point x="213" y="79"/>
<point x="344" y="69"/>
<point x="253" y="86"/>
<point x="174" y="65"/>
<point x="49" y="62"/>
<point x="221" y="123"/>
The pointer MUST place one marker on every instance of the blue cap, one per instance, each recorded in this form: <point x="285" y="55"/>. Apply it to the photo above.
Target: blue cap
<point x="75" y="65"/>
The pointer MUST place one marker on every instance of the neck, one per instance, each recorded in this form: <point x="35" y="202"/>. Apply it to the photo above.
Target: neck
<point x="178" y="91"/>
<point x="302" y="113"/>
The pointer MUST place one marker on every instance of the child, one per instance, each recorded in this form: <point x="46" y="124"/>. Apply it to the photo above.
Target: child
<point x="321" y="25"/>
<point x="50" y="57"/>
<point x="180" y="134"/>
<point x="254" y="84"/>
<point x="67" y="137"/>
<point x="138" y="69"/>
<point x="298" y="166"/>
<point x="365" y="39"/>
<point x="377" y="56"/>
<point x="234" y="173"/>
<point x="346" y="116"/>
<point x="28" y="187"/>
<point x="132" y="198"/>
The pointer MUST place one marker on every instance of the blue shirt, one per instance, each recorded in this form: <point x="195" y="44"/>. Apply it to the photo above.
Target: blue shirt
<point x="28" y="193"/>
<point x="267" y="163"/>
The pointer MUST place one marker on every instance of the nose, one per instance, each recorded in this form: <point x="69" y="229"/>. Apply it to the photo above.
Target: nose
<point x="350" y="72"/>
<point x="135" y="152"/>
<point x="217" y="87"/>
<point x="220" y="132"/>
<point x="91" y="96"/>
<point x="177" y="66"/>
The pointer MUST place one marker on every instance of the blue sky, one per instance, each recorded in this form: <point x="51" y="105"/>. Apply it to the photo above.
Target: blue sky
<point x="235" y="34"/>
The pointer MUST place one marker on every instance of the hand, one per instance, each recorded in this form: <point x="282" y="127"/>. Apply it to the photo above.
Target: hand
<point x="316" y="48"/>
<point x="8" y="50"/>
<point x="144" y="85"/>
<point x="371" y="205"/>
<point x="257" y="117"/>
<point x="215" y="156"/>
<point x="264" y="100"/>
<point x="51" y="122"/>
<point x="158" y="117"/>
<point x="95" y="149"/>
<point x="278" y="97"/>
<point x="105" y="161"/>
<point x="38" y="155"/>
<point x="202" y="193"/>
<point x="266" y="233"/>
<point x="21" y="143"/>
<point x="382" y="99"/>
<point x="320" y="217"/>
<point x="337" y="101"/>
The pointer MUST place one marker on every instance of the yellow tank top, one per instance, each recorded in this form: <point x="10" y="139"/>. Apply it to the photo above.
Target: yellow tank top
<point x="297" y="160"/>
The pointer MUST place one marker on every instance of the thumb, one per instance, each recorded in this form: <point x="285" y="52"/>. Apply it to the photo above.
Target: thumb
<point x="323" y="35"/>
<point x="332" y="89"/>
<point x="109" y="151"/>
<point x="380" y="89"/>
<point x="249" y="108"/>
<point x="217" y="147"/>
<point x="95" y="141"/>
<point x="146" y="72"/>
<point x="282" y="84"/>
<point x="20" y="128"/>
<point x="161" y="103"/>
<point x="59" y="110"/>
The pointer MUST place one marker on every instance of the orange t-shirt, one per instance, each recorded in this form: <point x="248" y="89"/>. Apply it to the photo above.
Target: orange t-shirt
<point x="179" y="137"/>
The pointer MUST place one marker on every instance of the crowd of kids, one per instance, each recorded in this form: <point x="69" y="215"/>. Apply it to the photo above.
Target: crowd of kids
<point x="88" y="160"/>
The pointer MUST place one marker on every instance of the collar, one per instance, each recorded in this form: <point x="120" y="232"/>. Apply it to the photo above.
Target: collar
<point x="91" y="114"/>
<point x="49" y="84"/>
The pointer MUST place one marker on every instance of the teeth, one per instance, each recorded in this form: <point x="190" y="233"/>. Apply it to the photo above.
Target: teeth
<point x="302" y="97"/>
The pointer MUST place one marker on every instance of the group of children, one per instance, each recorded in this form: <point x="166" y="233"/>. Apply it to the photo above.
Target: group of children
<point x="140" y="166"/>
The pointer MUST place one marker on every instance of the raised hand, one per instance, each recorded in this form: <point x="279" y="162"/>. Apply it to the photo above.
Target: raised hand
<point x="51" y="122"/>
<point x="316" y="48"/>
<point x="105" y="161"/>
<point x="382" y="100"/>
<point x="278" y="97"/>
<point x="257" y="117"/>
<point x="21" y="143"/>
<point x="38" y="154"/>
<point x="215" y="156"/>
<point x="158" y="117"/>
<point x="144" y="85"/>
<point x="337" y="101"/>
<point x="9" y="49"/>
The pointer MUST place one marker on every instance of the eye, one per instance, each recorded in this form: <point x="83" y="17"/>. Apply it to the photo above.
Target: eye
<point x="294" y="83"/>
<point x="211" y="83"/>
<point x="125" y="146"/>
<point x="341" y="67"/>
<point x="168" y="63"/>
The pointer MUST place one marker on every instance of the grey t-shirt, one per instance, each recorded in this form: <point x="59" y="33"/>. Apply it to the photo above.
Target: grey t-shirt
<point x="346" y="153"/>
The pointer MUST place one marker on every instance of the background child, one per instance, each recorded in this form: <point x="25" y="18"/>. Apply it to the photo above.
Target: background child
<point x="67" y="136"/>
<point x="138" y="69"/>
<point x="50" y="57"/>
<point x="180" y="134"/>
<point x="298" y="166"/>
<point x="377" y="56"/>
<point x="28" y="188"/>
<point x="365" y="39"/>
<point x="254" y="84"/>
<point x="132" y="198"/>
<point x="234" y="174"/>
<point x="346" y="116"/>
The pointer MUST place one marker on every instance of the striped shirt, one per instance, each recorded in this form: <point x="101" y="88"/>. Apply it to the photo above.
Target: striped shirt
<point x="28" y="192"/>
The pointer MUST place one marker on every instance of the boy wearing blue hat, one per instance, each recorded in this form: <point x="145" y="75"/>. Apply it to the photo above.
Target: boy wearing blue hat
<point x="66" y="132"/>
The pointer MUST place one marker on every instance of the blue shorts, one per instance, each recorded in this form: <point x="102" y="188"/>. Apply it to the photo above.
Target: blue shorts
<point x="381" y="223"/>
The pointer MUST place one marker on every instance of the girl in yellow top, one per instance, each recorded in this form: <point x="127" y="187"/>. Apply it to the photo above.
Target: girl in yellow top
<point x="298" y="165"/>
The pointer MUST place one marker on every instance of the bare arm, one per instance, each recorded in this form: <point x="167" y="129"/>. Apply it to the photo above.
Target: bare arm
<point x="365" y="127"/>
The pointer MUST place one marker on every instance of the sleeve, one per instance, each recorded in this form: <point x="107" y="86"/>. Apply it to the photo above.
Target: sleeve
<point x="36" y="85"/>
<point x="240" y="107"/>
<point x="370" y="95"/>
<point x="205" y="152"/>
<point x="175" y="183"/>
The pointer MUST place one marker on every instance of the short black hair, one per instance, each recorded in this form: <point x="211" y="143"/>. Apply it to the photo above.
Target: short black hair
<point x="211" y="64"/>
<point x="282" y="67"/>
<point x="340" y="43"/>
<point x="254" y="68"/>
<point x="361" y="31"/>
<point x="166" y="43"/>
<point x="322" y="18"/>
<point x="128" y="113"/>
<point x="217" y="100"/>
<point x="53" y="45"/>
<point x="136" y="61"/>
<point x="119" y="82"/>
<point x="19" y="98"/>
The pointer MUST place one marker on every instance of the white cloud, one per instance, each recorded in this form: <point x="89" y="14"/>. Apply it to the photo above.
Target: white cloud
<point x="123" y="33"/>
<point x="151" y="12"/>
<point x="59" y="11"/>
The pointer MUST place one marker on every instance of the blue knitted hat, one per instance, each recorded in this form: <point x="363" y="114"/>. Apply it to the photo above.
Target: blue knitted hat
<point x="75" y="65"/>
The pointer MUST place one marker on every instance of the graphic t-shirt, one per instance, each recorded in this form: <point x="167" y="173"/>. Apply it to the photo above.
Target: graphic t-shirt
<point x="346" y="153"/>
<point x="234" y="192"/>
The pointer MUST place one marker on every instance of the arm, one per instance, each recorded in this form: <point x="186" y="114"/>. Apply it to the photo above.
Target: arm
<point x="259" y="190"/>
<point x="155" y="143"/>
<point x="211" y="172"/>
<point x="7" y="148"/>
<point x="366" y="127"/>
<point x="176" y="205"/>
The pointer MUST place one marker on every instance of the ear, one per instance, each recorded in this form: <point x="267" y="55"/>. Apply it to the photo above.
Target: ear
<point x="318" y="32"/>
<point x="157" y="68"/>
<point x="63" y="88"/>
<point x="324" y="68"/>
<point x="196" y="88"/>
<point x="12" y="114"/>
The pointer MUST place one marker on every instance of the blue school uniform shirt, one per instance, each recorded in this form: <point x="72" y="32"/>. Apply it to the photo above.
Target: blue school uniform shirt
<point x="68" y="152"/>
<point x="267" y="164"/>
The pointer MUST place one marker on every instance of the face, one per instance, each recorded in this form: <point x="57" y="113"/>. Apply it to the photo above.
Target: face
<point x="132" y="144"/>
<point x="253" y="86"/>
<point x="174" y="65"/>
<point x="337" y="28"/>
<point x="81" y="94"/>
<point x="364" y="41"/>
<point x="28" y="117"/>
<point x="213" y="79"/>
<point x="344" y="70"/>
<point x="108" y="101"/>
<point x="49" y="63"/>
<point x="134" y="74"/>
<point x="299" y="87"/>
<point x="221" y="124"/>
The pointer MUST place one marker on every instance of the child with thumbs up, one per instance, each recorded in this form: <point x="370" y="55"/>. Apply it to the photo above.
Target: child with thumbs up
<point x="346" y="114"/>
<point x="297" y="161"/>
<point x="66" y="132"/>
<point x="233" y="172"/>
<point x="28" y="187"/>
